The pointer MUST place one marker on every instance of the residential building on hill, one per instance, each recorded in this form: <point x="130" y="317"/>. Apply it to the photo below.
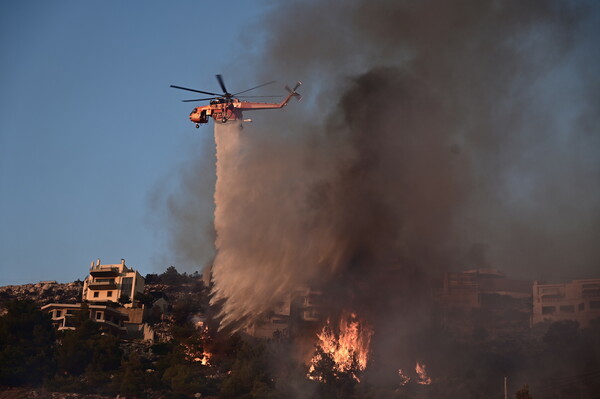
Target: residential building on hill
<point x="483" y="300"/>
<point x="472" y="288"/>
<point x="577" y="300"/>
<point x="109" y="317"/>
<point x="110" y="295"/>
<point x="297" y="310"/>
<point x="109" y="283"/>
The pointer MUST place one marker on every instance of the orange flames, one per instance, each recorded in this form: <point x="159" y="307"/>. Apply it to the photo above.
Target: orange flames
<point x="348" y="348"/>
<point x="205" y="358"/>
<point x="194" y="355"/>
<point x="195" y="352"/>
<point x="421" y="375"/>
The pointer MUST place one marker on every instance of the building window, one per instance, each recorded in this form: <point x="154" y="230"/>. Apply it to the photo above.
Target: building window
<point x="57" y="313"/>
<point x="548" y="309"/>
<point x="567" y="309"/>
<point x="591" y="286"/>
<point x="590" y="292"/>
<point x="554" y="291"/>
<point x="551" y="298"/>
<point x="126" y="286"/>
<point x="98" y="315"/>
<point x="96" y="294"/>
<point x="109" y="294"/>
<point x="594" y="304"/>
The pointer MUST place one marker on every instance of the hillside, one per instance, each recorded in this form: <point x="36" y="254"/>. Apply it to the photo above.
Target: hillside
<point x="42" y="293"/>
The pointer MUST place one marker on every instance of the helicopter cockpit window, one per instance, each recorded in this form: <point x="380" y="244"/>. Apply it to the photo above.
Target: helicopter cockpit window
<point x="193" y="112"/>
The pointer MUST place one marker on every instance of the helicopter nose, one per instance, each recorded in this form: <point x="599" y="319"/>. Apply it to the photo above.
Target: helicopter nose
<point x="195" y="116"/>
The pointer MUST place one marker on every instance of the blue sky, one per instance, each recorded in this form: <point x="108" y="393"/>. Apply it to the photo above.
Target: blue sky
<point x="89" y="127"/>
<point x="91" y="133"/>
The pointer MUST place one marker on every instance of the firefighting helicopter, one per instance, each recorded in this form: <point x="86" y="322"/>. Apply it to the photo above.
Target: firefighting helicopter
<point x="226" y="106"/>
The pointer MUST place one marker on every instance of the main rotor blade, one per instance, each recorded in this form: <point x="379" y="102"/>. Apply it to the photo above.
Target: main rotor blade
<point x="220" y="79"/>
<point x="196" y="91"/>
<point x="259" y="96"/>
<point x="256" y="87"/>
<point x="199" y="99"/>
<point x="213" y="98"/>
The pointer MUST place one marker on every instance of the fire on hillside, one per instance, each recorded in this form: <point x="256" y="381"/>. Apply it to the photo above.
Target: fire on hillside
<point x="348" y="346"/>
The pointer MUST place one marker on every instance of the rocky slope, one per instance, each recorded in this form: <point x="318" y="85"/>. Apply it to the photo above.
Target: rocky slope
<point x="43" y="293"/>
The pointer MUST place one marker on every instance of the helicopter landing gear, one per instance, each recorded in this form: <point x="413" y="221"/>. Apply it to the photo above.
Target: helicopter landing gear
<point x="197" y="125"/>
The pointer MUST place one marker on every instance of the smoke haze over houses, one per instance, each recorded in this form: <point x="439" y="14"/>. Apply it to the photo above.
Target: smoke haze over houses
<point x="435" y="135"/>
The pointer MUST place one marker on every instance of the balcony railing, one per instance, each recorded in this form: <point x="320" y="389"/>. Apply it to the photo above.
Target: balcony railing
<point x="102" y="285"/>
<point x="547" y="299"/>
<point x="104" y="272"/>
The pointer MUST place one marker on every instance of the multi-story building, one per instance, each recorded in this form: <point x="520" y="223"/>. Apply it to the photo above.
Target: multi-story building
<point x="472" y="288"/>
<point x="109" y="283"/>
<point x="274" y="323"/>
<point x="483" y="301"/>
<point x="308" y="303"/>
<point x="108" y="317"/>
<point x="577" y="300"/>
<point x="298" y="309"/>
<point x="109" y="295"/>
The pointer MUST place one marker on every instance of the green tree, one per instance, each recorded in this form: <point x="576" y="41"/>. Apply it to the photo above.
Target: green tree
<point x="170" y="277"/>
<point x="87" y="347"/>
<point x="124" y="299"/>
<point x="181" y="376"/>
<point x="144" y="299"/>
<point x="562" y="333"/>
<point x="250" y="377"/>
<point x="523" y="393"/>
<point x="334" y="383"/>
<point x="133" y="377"/>
<point x="184" y="309"/>
<point x="27" y="340"/>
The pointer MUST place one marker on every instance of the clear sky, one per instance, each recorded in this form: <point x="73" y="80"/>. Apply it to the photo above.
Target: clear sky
<point x="89" y="127"/>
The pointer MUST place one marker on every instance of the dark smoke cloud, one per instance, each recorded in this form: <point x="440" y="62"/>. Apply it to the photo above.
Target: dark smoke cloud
<point x="477" y="112"/>
<point x="434" y="135"/>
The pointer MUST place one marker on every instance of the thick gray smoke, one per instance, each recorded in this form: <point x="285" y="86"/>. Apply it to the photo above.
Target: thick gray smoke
<point x="435" y="135"/>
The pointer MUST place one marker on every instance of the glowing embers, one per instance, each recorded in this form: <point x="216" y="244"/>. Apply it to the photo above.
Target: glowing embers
<point x="404" y="379"/>
<point x="421" y="375"/>
<point x="195" y="351"/>
<point x="345" y="350"/>
<point x="194" y="355"/>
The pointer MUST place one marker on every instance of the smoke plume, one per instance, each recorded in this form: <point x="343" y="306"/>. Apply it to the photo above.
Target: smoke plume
<point x="435" y="135"/>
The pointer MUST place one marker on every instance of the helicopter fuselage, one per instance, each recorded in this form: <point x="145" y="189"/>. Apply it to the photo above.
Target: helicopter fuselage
<point x="223" y="110"/>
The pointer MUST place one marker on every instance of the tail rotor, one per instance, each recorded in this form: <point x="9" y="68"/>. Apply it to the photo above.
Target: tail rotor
<point x="293" y="92"/>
